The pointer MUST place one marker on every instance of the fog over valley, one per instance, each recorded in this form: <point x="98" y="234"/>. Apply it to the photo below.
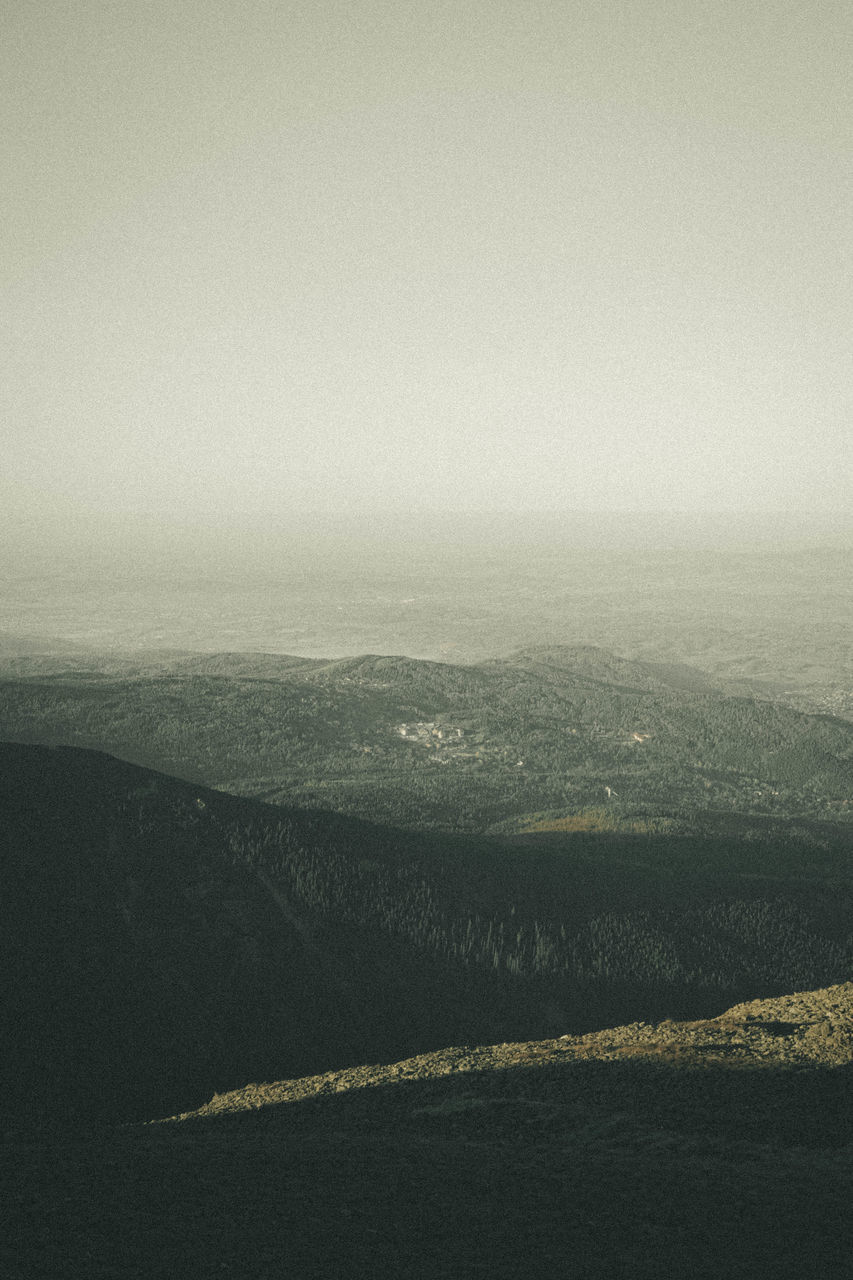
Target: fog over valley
<point x="759" y="597"/>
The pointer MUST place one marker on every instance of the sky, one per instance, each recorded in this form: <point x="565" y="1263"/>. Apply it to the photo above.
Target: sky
<point x="266" y="258"/>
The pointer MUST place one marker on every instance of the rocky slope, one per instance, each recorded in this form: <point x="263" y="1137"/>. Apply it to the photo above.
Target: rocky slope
<point x="808" y="1029"/>
<point x="719" y="1148"/>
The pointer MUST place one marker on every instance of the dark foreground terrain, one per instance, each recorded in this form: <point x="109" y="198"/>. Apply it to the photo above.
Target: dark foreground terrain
<point x="718" y="1148"/>
<point x="161" y="941"/>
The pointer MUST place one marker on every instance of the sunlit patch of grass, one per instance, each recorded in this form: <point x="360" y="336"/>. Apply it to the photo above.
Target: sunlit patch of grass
<point x="600" y="819"/>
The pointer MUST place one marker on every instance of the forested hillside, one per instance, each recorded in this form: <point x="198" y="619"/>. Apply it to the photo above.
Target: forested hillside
<point x="549" y="733"/>
<point x="163" y="940"/>
<point x="429" y="745"/>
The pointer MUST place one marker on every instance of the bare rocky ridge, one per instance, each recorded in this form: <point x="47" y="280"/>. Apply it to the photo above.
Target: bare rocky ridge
<point x="813" y="1028"/>
<point x="807" y="1029"/>
<point x="697" y="1150"/>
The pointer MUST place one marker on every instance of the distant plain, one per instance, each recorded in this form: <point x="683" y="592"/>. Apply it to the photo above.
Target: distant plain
<point x="769" y="604"/>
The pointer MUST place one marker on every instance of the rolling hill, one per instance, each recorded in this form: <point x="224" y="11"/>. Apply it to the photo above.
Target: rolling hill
<point x="549" y="732"/>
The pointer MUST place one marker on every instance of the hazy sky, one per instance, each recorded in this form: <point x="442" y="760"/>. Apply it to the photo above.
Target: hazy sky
<point x="338" y="254"/>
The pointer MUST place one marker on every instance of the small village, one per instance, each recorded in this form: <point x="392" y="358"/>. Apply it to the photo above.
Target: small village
<point x="444" y="742"/>
<point x="429" y="732"/>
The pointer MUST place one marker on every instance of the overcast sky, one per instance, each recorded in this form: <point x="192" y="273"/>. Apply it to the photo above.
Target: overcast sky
<point x="268" y="256"/>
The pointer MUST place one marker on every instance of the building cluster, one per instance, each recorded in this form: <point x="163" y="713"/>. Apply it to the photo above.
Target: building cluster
<point x="429" y="733"/>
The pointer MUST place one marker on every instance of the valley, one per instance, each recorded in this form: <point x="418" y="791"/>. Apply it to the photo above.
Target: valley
<point x="464" y="930"/>
<point x="426" y="641"/>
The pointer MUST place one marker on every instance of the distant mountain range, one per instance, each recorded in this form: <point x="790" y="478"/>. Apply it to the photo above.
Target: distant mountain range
<point x="545" y="734"/>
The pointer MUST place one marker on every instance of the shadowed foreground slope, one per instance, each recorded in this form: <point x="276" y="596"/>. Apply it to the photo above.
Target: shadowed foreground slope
<point x="161" y="941"/>
<point x="712" y="1149"/>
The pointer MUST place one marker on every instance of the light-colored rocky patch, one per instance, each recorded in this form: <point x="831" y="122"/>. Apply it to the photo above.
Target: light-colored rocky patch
<point x="809" y="1028"/>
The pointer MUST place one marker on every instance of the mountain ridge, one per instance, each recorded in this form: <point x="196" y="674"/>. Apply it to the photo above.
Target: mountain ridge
<point x="590" y="1158"/>
<point x="437" y="745"/>
<point x="804" y="1029"/>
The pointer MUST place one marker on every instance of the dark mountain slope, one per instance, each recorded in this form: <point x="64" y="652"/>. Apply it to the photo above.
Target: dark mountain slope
<point x="161" y="939"/>
<point x="140" y="964"/>
<point x="692" y="1151"/>
<point x="149" y="954"/>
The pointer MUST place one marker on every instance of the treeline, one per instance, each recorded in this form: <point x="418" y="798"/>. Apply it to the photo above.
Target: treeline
<point x="163" y="940"/>
<point x="556" y="921"/>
